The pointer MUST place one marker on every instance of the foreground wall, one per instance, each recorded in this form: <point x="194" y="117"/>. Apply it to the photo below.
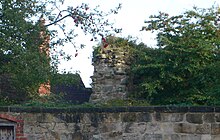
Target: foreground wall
<point x="122" y="123"/>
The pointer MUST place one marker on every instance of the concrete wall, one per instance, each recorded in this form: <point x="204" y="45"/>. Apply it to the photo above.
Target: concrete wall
<point x="121" y="123"/>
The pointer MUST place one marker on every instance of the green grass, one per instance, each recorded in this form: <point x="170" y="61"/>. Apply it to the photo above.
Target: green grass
<point x="63" y="104"/>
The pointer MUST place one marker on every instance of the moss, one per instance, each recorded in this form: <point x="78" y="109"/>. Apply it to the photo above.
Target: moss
<point x="128" y="102"/>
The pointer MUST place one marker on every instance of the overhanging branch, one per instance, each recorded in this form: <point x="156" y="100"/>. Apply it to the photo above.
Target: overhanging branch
<point x="57" y="20"/>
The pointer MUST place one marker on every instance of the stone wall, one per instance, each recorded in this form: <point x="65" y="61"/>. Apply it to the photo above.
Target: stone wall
<point x="121" y="123"/>
<point x="111" y="67"/>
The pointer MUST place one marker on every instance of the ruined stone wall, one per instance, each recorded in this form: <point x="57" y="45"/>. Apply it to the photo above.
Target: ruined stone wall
<point x="111" y="71"/>
<point x="122" y="123"/>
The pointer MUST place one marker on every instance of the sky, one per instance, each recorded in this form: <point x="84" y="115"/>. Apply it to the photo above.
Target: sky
<point x="130" y="18"/>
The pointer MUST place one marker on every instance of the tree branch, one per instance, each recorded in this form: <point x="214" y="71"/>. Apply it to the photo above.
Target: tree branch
<point x="57" y="20"/>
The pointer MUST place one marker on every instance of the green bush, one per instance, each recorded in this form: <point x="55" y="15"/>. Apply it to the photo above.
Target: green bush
<point x="184" y="69"/>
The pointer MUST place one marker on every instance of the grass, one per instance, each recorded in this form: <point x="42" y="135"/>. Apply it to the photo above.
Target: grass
<point x="48" y="103"/>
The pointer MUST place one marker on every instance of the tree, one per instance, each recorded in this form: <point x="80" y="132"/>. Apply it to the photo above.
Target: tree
<point x="22" y="61"/>
<point x="183" y="69"/>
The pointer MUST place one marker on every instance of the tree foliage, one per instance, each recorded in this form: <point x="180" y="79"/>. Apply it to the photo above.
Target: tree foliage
<point x="21" y="34"/>
<point x="184" y="69"/>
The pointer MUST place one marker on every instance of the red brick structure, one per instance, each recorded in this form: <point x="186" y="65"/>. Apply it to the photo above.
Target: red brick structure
<point x="19" y="125"/>
<point x="44" y="88"/>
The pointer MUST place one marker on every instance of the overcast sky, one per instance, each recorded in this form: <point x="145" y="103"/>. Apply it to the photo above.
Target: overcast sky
<point x="131" y="19"/>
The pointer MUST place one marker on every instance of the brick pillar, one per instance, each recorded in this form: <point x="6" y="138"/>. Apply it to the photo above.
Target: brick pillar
<point x="111" y="71"/>
<point x="44" y="88"/>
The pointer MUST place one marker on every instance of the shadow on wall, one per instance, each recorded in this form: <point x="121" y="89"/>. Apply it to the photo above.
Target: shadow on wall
<point x="71" y="87"/>
<point x="73" y="94"/>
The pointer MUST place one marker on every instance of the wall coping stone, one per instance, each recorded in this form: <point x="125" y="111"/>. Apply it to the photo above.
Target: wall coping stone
<point x="150" y="109"/>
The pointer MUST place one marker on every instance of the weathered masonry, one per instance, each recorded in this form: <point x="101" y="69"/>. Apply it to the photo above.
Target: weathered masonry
<point x="111" y="71"/>
<point x="121" y="123"/>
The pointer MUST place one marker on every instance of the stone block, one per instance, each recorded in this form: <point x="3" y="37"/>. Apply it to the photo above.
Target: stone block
<point x="72" y="127"/>
<point x="152" y="137"/>
<point x="175" y="137"/>
<point x="171" y="137"/>
<point x="203" y="129"/>
<point x="194" y="118"/>
<point x="77" y="136"/>
<point x="192" y="128"/>
<point x="143" y="117"/>
<point x="40" y="137"/>
<point x="138" y="128"/>
<point x="129" y="117"/>
<point x="66" y="136"/>
<point x="169" y="117"/>
<point x="109" y="76"/>
<point x="142" y="127"/>
<point x="114" y="134"/>
<point x="120" y="89"/>
<point x="120" y="71"/>
<point x="215" y="137"/>
<point x="217" y="117"/>
<point x="215" y="129"/>
<point x="107" y="88"/>
<point x="88" y="129"/>
<point x="209" y="118"/>
<point x="31" y="137"/>
<point x="167" y="128"/>
<point x="30" y="118"/>
<point x="60" y="127"/>
<point x="131" y="136"/>
<point x="190" y="137"/>
<point x="55" y="135"/>
<point x="153" y="127"/>
<point x="96" y="88"/>
<point x="206" y="137"/>
<point x="39" y="130"/>
<point x="86" y="118"/>
<point x="96" y="137"/>
<point x="184" y="128"/>
<point x="127" y="127"/>
<point x="109" y="127"/>
<point x="73" y="117"/>
<point x="110" y="136"/>
<point x="29" y="128"/>
<point x="112" y="117"/>
<point x="96" y="118"/>
<point x="41" y="117"/>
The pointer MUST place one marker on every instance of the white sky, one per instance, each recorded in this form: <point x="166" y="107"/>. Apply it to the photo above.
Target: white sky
<point x="131" y="19"/>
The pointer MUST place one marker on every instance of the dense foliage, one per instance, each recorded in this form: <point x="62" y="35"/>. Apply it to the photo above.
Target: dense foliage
<point x="23" y="65"/>
<point x="184" y="69"/>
